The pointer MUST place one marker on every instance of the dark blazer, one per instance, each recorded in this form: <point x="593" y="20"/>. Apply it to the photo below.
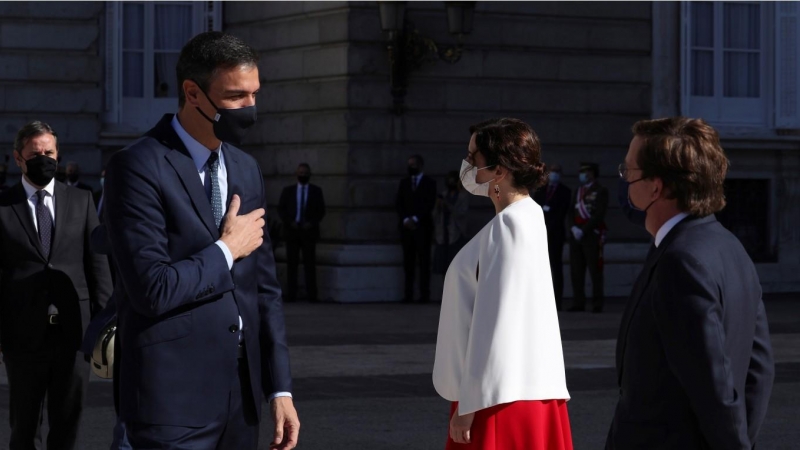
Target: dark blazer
<point x="82" y="185"/>
<point x="74" y="279"/>
<point x="416" y="202"/>
<point x="178" y="315"/>
<point x="315" y="210"/>
<point x="558" y="205"/>
<point x="694" y="359"/>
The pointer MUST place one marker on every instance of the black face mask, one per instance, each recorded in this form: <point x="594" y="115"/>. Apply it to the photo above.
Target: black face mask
<point x="633" y="214"/>
<point x="73" y="178"/>
<point x="303" y="179"/>
<point x="452" y="184"/>
<point x="231" y="125"/>
<point x="41" y="169"/>
<point x="413" y="171"/>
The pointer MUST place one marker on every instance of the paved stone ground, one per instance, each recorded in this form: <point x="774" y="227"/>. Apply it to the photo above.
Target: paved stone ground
<point x="362" y="378"/>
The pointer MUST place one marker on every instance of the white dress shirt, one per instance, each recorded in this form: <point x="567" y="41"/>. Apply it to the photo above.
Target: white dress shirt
<point x="49" y="203"/>
<point x="302" y="199"/>
<point x="668" y="226"/>
<point x="499" y="339"/>
<point x="200" y="154"/>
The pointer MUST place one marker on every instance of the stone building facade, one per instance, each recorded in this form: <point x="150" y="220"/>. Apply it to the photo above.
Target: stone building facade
<point x="580" y="73"/>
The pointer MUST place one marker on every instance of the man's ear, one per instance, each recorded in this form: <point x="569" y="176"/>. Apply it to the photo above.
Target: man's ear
<point x="17" y="158"/>
<point x="191" y="91"/>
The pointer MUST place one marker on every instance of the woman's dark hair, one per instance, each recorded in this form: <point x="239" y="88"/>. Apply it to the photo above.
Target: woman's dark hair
<point x="512" y="143"/>
<point x="687" y="156"/>
<point x="207" y="53"/>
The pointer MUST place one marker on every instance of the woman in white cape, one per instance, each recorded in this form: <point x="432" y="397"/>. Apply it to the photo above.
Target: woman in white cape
<point x="498" y="352"/>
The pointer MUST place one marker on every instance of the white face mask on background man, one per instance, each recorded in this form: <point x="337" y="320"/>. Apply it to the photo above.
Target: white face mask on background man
<point x="469" y="174"/>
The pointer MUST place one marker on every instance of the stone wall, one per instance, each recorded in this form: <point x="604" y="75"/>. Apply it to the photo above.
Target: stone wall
<point x="579" y="73"/>
<point x="50" y="70"/>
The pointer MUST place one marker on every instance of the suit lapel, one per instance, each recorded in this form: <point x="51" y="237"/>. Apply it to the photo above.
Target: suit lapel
<point x="633" y="302"/>
<point x="643" y="281"/>
<point x="23" y="212"/>
<point x="182" y="162"/>
<point x="63" y="198"/>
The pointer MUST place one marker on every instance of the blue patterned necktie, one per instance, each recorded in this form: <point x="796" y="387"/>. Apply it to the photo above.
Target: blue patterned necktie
<point x="216" y="196"/>
<point x="44" y="222"/>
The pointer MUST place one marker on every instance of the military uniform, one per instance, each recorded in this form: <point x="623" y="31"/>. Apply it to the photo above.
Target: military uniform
<point x="588" y="213"/>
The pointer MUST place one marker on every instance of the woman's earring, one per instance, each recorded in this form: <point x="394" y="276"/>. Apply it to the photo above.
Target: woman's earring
<point x="497" y="191"/>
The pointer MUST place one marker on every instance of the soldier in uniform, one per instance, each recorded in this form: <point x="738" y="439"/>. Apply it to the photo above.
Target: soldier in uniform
<point x="588" y="234"/>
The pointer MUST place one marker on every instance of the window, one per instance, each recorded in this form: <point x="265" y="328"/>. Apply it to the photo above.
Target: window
<point x="725" y="55"/>
<point x="144" y="42"/>
<point x="746" y="215"/>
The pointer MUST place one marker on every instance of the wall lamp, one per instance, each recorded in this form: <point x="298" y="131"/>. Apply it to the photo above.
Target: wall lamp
<point x="409" y="50"/>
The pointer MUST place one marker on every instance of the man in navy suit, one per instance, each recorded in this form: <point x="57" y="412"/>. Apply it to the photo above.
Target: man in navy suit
<point x="302" y="208"/>
<point x="555" y="200"/>
<point x="694" y="358"/>
<point x="201" y="324"/>
<point x="416" y="197"/>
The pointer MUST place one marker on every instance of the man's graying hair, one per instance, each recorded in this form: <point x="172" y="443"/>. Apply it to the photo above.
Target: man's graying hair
<point x="31" y="130"/>
<point x="207" y="53"/>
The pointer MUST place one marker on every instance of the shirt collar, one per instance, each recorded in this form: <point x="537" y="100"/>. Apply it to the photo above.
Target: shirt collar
<point x="668" y="226"/>
<point x="198" y="151"/>
<point x="30" y="189"/>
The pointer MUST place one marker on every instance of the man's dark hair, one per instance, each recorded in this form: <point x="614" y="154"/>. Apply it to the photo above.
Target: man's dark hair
<point x="32" y="130"/>
<point x="304" y="165"/>
<point x="687" y="156"/>
<point x="206" y="54"/>
<point x="419" y="160"/>
<point x="512" y="143"/>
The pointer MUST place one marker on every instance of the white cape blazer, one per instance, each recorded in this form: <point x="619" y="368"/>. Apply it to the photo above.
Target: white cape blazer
<point x="499" y="339"/>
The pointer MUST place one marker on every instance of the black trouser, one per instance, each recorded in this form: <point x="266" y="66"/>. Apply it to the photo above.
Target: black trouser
<point x="585" y="254"/>
<point x="555" y="247"/>
<point x="59" y="372"/>
<point x="306" y="243"/>
<point x="235" y="428"/>
<point x="417" y="249"/>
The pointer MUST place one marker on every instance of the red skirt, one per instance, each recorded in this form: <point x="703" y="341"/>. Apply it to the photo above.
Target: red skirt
<point x="522" y="425"/>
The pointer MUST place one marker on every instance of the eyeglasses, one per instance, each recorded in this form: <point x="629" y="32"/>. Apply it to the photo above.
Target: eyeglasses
<point x="623" y="170"/>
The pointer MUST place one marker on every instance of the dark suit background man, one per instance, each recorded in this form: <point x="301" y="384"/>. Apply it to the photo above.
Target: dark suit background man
<point x="416" y="197"/>
<point x="201" y="321"/>
<point x="50" y="287"/>
<point x="694" y="359"/>
<point x="555" y="201"/>
<point x="302" y="208"/>
<point x="587" y="237"/>
<point x="73" y="177"/>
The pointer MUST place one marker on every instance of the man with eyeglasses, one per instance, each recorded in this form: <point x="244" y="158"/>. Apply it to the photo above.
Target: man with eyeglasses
<point x="695" y="367"/>
<point x="588" y="235"/>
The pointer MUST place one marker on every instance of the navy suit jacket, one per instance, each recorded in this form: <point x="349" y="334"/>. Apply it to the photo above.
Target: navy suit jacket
<point x="178" y="314"/>
<point x="694" y="358"/>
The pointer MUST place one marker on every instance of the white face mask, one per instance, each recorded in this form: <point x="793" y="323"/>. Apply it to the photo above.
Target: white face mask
<point x="468" y="179"/>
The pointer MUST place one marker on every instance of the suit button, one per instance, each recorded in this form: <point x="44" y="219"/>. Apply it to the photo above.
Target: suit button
<point x="50" y="265"/>
<point x="234" y="328"/>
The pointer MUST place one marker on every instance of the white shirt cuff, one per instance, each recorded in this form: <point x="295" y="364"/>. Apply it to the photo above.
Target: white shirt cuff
<point x="279" y="394"/>
<point x="228" y="255"/>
